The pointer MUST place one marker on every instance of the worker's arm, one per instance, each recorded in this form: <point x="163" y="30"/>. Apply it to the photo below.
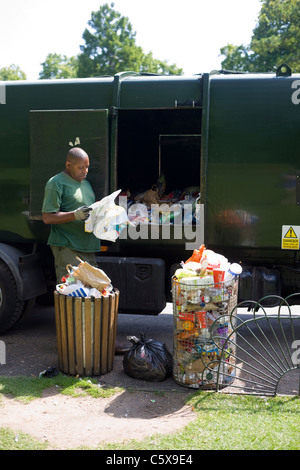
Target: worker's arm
<point x="58" y="217"/>
<point x="63" y="217"/>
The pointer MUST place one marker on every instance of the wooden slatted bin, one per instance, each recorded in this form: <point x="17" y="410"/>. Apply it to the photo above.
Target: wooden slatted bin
<point x="86" y="333"/>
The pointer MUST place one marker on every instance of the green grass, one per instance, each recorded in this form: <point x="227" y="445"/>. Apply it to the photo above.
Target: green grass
<point x="10" y="440"/>
<point x="231" y="422"/>
<point x="28" y="388"/>
<point x="223" y="422"/>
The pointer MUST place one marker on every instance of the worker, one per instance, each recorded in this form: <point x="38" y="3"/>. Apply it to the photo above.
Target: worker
<point x="67" y="198"/>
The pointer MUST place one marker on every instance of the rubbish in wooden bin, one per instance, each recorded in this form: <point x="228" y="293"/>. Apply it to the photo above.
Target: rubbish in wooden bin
<point x="86" y="333"/>
<point x="84" y="280"/>
<point x="90" y="275"/>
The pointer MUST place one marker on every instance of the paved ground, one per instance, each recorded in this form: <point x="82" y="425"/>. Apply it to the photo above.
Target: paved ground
<point x="31" y="345"/>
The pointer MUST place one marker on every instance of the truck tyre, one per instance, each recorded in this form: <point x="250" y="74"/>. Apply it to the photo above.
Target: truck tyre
<point x="11" y="308"/>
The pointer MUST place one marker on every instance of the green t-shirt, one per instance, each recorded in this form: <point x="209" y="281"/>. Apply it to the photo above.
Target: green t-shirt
<point x="63" y="193"/>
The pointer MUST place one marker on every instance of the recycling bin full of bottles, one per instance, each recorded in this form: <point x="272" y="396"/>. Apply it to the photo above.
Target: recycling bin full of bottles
<point x="204" y="337"/>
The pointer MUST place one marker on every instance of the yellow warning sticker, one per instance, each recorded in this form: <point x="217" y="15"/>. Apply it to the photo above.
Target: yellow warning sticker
<point x="290" y="237"/>
<point x="290" y="233"/>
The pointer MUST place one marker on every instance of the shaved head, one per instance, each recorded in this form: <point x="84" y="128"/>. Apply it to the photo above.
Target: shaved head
<point x="76" y="153"/>
<point x="77" y="164"/>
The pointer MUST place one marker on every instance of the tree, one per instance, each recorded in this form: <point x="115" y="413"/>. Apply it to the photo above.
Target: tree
<point x="151" y="65"/>
<point x="110" y="47"/>
<point x="57" y="66"/>
<point x="275" y="40"/>
<point x="237" y="58"/>
<point x="13" y="72"/>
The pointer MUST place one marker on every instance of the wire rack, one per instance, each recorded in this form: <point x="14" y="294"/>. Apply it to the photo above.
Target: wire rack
<point x="266" y="343"/>
<point x="235" y="347"/>
<point x="202" y="324"/>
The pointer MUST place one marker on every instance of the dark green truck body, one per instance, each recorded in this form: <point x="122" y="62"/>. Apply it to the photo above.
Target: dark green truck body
<point x="235" y="136"/>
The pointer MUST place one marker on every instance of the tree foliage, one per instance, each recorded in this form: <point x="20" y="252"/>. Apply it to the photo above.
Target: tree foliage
<point x="58" y="66"/>
<point x="13" y="72"/>
<point x="275" y="40"/>
<point x="109" y="44"/>
<point x="237" y="57"/>
<point x="110" y="47"/>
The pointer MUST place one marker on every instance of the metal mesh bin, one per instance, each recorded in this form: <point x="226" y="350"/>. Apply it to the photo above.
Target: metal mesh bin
<point x="203" y="343"/>
<point x="86" y="333"/>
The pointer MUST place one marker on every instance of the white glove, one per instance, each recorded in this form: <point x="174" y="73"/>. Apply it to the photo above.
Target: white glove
<point x="82" y="213"/>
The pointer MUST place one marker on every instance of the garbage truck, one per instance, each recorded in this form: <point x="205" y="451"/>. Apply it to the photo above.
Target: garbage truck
<point x="220" y="151"/>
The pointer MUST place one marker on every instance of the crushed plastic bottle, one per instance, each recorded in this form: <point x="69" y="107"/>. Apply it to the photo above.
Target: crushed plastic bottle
<point x="234" y="270"/>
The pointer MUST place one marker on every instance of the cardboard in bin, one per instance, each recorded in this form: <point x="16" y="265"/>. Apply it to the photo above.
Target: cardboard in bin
<point x="91" y="275"/>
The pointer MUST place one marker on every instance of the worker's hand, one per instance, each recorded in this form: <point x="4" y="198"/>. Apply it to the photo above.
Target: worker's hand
<point x="82" y="213"/>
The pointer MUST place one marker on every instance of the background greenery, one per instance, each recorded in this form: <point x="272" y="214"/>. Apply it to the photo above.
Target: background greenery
<point x="275" y="40"/>
<point x="110" y="47"/>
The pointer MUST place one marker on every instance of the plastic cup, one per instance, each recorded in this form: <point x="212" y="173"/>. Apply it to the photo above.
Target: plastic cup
<point x="219" y="277"/>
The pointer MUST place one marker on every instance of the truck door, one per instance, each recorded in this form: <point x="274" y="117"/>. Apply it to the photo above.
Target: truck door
<point x="52" y="134"/>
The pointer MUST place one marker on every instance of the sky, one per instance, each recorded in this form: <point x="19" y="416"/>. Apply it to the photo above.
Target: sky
<point x="188" y="33"/>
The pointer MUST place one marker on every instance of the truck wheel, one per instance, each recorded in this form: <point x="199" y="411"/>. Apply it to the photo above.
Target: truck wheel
<point x="11" y="308"/>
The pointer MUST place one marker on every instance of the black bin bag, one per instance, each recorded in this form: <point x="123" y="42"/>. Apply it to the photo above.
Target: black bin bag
<point x="147" y="359"/>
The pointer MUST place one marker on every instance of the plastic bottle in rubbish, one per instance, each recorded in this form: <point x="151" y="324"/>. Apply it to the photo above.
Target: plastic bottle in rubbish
<point x="234" y="270"/>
